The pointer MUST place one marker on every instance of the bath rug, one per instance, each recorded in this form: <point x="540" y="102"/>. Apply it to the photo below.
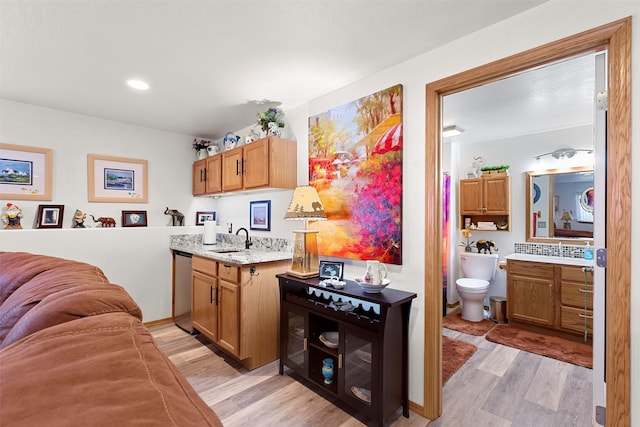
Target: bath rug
<point x="457" y="323"/>
<point x="577" y="353"/>
<point x="455" y="353"/>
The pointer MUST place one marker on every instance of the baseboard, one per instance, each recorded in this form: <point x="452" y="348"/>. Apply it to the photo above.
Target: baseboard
<point x="158" y="322"/>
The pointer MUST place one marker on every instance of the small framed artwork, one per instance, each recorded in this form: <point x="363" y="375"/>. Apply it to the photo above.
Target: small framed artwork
<point x="329" y="269"/>
<point x="117" y="179"/>
<point x="201" y="217"/>
<point x="134" y="218"/>
<point x="50" y="216"/>
<point x="260" y="215"/>
<point x="25" y="172"/>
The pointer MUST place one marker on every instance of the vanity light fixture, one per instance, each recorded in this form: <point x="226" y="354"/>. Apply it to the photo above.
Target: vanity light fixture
<point x="305" y="205"/>
<point x="564" y="153"/>
<point x="138" y="84"/>
<point x="452" y="130"/>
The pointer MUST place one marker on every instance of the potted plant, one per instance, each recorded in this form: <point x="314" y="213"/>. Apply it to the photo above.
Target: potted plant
<point x="466" y="233"/>
<point x="271" y="121"/>
<point x="494" y="170"/>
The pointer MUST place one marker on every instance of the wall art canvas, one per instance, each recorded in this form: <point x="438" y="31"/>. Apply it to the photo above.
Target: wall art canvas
<point x="355" y="163"/>
<point x="25" y="172"/>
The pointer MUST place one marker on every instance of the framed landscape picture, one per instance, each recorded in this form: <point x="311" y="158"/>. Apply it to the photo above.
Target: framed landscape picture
<point x="25" y="172"/>
<point x="117" y="179"/>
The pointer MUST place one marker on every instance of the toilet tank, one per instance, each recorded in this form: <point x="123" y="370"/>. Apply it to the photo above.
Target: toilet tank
<point x="478" y="266"/>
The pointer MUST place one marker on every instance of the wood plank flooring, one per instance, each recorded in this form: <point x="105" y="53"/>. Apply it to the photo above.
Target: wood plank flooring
<point x="498" y="386"/>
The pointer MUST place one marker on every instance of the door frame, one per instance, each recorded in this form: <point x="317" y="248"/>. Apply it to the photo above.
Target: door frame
<point x="616" y="38"/>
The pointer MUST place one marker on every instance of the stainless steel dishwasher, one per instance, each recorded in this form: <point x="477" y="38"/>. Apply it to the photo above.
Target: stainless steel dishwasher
<point x="182" y="291"/>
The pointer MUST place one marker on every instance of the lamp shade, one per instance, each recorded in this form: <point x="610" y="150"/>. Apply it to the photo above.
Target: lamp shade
<point x="306" y="204"/>
<point x="566" y="216"/>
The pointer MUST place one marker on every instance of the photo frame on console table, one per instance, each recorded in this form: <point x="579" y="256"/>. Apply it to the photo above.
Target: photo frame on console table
<point x="117" y="179"/>
<point x="329" y="269"/>
<point x="25" y="172"/>
<point x="50" y="216"/>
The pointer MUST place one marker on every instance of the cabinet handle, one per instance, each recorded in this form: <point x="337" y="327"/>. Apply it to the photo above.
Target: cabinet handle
<point x="210" y="294"/>
<point x="340" y="361"/>
<point x="237" y="168"/>
<point x="205" y="174"/>
<point x="200" y="175"/>
<point x="304" y="344"/>
<point x="586" y="316"/>
<point x="586" y="291"/>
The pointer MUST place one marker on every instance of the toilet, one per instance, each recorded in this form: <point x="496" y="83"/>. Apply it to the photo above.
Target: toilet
<point x="478" y="271"/>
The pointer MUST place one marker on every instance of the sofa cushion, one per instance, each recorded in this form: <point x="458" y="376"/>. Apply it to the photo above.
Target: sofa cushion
<point x="100" y="370"/>
<point x="38" y="294"/>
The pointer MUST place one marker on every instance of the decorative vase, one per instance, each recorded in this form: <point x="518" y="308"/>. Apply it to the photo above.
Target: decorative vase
<point x="212" y="150"/>
<point x="467" y="248"/>
<point x="202" y="154"/>
<point x="327" y="370"/>
<point x="273" y="129"/>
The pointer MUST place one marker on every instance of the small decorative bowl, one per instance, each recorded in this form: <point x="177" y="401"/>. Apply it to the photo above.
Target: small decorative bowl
<point x="371" y="288"/>
<point x="330" y="339"/>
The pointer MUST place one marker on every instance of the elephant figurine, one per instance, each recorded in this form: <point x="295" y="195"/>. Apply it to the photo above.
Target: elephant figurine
<point x="105" y="221"/>
<point x="484" y="246"/>
<point x="177" y="217"/>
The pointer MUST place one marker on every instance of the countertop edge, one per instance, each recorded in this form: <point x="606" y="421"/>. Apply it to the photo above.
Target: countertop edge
<point x="242" y="257"/>
<point x="550" y="259"/>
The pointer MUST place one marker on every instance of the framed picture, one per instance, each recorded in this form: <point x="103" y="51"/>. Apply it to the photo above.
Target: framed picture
<point x="260" y="215"/>
<point x="134" y="218"/>
<point x="201" y="217"/>
<point x="117" y="179"/>
<point x="329" y="269"/>
<point x="50" y="216"/>
<point x="25" y="172"/>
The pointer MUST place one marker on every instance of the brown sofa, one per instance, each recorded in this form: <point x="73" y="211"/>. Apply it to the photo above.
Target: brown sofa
<point x="74" y="351"/>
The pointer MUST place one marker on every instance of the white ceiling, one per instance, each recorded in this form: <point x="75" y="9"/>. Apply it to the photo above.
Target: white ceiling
<point x="208" y="61"/>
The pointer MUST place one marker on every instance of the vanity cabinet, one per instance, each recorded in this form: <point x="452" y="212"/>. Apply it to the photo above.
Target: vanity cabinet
<point x="486" y="199"/>
<point x="207" y="176"/>
<point x="236" y="307"/>
<point x="554" y="296"/>
<point x="269" y="162"/>
<point x="370" y="356"/>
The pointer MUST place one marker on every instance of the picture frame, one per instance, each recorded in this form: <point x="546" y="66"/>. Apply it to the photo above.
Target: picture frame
<point x="25" y="172"/>
<point x="134" y="218"/>
<point x="50" y="216"/>
<point x="329" y="269"/>
<point x="260" y="215"/>
<point x="117" y="179"/>
<point x="201" y="217"/>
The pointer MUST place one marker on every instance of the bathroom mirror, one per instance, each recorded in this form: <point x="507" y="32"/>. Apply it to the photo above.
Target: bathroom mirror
<point x="559" y="205"/>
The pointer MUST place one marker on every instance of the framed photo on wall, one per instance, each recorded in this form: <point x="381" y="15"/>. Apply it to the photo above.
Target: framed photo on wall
<point x="134" y="218"/>
<point x="260" y="215"/>
<point x="329" y="269"/>
<point x="50" y="216"/>
<point x="201" y="217"/>
<point x="117" y="179"/>
<point x="25" y="172"/>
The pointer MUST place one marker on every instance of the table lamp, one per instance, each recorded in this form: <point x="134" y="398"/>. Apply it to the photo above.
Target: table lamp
<point x="305" y="205"/>
<point x="566" y="217"/>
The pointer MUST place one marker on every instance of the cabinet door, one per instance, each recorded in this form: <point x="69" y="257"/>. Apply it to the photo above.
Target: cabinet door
<point x="214" y="174"/>
<point x="199" y="178"/>
<point x="530" y="299"/>
<point x="358" y="358"/>
<point x="296" y="339"/>
<point x="496" y="191"/>
<point x="232" y="168"/>
<point x="471" y="197"/>
<point x="256" y="157"/>
<point x="203" y="304"/>
<point x="229" y="317"/>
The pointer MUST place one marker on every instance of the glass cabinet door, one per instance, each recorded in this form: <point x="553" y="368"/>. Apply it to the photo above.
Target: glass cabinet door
<point x="358" y="362"/>
<point x="297" y="339"/>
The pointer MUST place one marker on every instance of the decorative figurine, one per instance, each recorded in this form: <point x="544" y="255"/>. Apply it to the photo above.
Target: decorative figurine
<point x="12" y="216"/>
<point x="327" y="370"/>
<point x="485" y="246"/>
<point x="229" y="140"/>
<point x="176" y="216"/>
<point x="105" y="221"/>
<point x="78" y="219"/>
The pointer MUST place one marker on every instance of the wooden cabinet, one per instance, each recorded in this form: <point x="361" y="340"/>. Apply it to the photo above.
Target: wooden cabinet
<point x="486" y="199"/>
<point x="555" y="296"/>
<point x="199" y="178"/>
<point x="207" y="176"/>
<point x="371" y="357"/>
<point x="236" y="307"/>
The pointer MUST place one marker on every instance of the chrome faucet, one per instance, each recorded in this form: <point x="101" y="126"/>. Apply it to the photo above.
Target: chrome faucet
<point x="247" y="241"/>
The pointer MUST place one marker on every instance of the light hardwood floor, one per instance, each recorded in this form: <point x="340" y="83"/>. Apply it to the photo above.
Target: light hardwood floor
<point x="498" y="386"/>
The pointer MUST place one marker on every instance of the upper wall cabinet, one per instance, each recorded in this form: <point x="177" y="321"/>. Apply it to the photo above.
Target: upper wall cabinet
<point x="267" y="163"/>
<point x="486" y="199"/>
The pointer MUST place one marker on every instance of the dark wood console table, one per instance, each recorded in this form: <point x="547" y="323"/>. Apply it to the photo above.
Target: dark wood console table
<point x="370" y="356"/>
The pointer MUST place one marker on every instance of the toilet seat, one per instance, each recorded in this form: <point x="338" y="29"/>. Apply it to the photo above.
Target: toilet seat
<point x="472" y="285"/>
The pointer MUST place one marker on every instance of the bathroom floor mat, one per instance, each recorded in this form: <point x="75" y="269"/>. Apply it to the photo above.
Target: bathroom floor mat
<point x="577" y="353"/>
<point x="457" y="323"/>
<point x="455" y="353"/>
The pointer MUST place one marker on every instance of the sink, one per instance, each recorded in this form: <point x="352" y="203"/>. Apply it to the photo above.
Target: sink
<point x="223" y="251"/>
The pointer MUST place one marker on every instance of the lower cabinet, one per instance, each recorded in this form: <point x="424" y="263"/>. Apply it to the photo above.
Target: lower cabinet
<point x="555" y="296"/>
<point x="368" y="349"/>
<point x="236" y="307"/>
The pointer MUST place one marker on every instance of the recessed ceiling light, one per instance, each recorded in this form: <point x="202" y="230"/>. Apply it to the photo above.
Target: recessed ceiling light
<point x="138" y="84"/>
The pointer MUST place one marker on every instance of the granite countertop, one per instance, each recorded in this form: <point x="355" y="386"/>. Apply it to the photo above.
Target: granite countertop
<point x="551" y="259"/>
<point x="241" y="256"/>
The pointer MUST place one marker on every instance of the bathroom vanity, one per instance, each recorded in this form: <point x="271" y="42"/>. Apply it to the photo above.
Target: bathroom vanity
<point x="552" y="293"/>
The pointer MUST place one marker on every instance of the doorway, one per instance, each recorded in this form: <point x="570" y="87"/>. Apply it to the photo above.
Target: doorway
<point x="616" y="38"/>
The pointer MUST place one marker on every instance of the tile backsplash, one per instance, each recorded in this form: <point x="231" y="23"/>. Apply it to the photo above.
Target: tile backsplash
<point x="551" y="249"/>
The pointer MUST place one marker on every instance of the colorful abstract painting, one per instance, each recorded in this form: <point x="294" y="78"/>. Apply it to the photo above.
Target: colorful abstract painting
<point x="355" y="163"/>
